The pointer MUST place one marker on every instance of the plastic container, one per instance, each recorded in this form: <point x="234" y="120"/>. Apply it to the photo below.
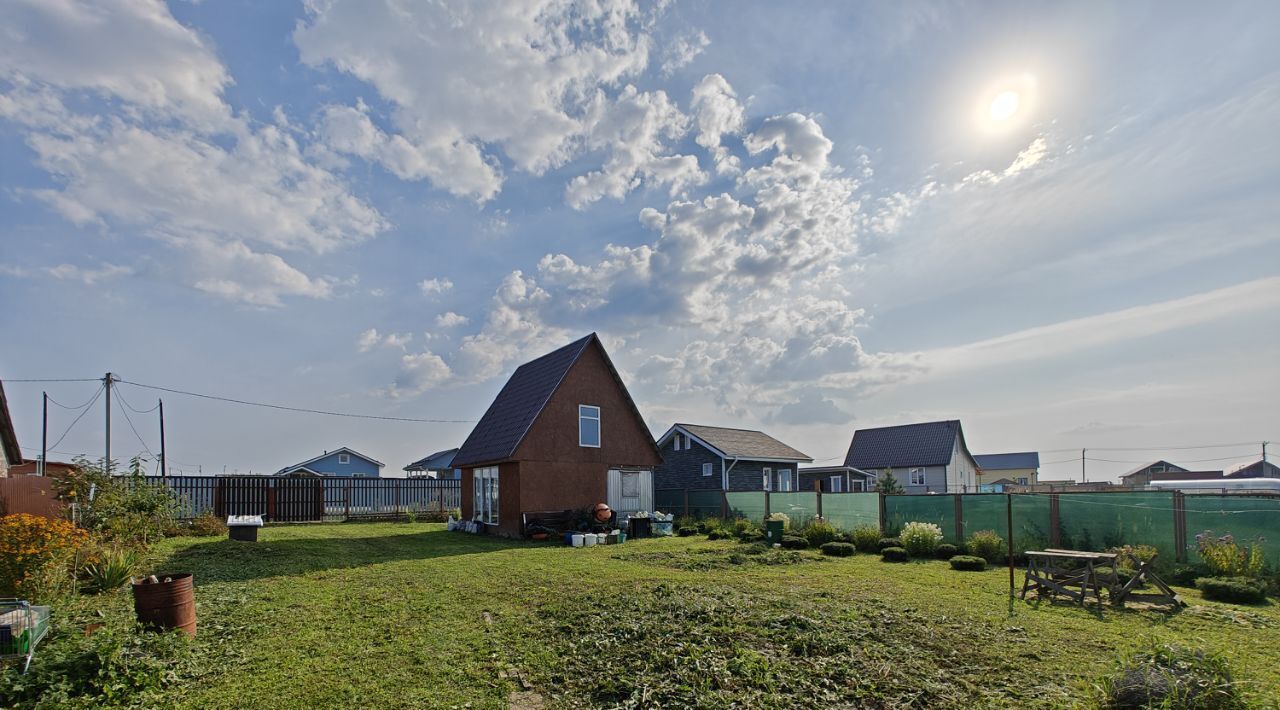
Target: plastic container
<point x="589" y="539"/>
<point x="579" y="540"/>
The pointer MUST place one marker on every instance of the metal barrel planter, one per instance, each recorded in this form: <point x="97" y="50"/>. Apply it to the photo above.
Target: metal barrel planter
<point x="167" y="604"/>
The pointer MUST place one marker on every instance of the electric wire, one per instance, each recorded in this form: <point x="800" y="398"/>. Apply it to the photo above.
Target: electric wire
<point x="137" y="411"/>
<point x="133" y="428"/>
<point x="64" y="379"/>
<point x="78" y="417"/>
<point x="297" y="409"/>
<point x="82" y="406"/>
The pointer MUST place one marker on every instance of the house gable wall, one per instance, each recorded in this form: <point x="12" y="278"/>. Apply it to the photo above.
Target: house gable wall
<point x="329" y="466"/>
<point x="683" y="468"/>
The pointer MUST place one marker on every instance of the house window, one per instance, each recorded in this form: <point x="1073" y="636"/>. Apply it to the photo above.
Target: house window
<point x="917" y="477"/>
<point x="768" y="478"/>
<point x="784" y="479"/>
<point x="485" y="484"/>
<point x="1022" y="480"/>
<point x="358" y="475"/>
<point x="837" y="484"/>
<point x="706" y="469"/>
<point x="630" y="484"/>
<point x="857" y="486"/>
<point x="344" y="458"/>
<point x="588" y="426"/>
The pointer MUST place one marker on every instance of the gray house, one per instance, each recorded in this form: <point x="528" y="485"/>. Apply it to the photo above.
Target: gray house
<point x="437" y="465"/>
<point x="719" y="458"/>
<point x="924" y="458"/>
<point x="1145" y="473"/>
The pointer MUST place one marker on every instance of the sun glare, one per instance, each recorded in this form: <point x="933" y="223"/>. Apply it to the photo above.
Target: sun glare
<point x="1004" y="105"/>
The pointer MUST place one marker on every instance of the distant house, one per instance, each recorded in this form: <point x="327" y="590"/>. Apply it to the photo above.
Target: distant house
<point x="931" y="457"/>
<point x="1141" y="475"/>
<point x="563" y="433"/>
<point x="343" y="462"/>
<point x="10" y="452"/>
<point x="437" y="465"/>
<point x="31" y="467"/>
<point x="837" y="479"/>
<point x="1257" y="469"/>
<point x="721" y="458"/>
<point x="1020" y="468"/>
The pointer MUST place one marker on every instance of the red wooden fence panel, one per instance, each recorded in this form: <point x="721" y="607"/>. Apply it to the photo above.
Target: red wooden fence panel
<point x="29" y="494"/>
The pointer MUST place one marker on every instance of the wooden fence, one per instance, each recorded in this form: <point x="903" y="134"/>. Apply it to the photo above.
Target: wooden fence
<point x="285" y="499"/>
<point x="29" y="494"/>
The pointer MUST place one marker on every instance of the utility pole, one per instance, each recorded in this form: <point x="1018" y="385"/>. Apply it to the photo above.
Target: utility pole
<point x="44" y="435"/>
<point x="1082" y="476"/>
<point x="106" y="461"/>
<point x="164" y="462"/>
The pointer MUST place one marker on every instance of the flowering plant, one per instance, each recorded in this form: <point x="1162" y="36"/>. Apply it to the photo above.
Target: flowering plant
<point x="1227" y="558"/>
<point x="920" y="539"/>
<point x="28" y="543"/>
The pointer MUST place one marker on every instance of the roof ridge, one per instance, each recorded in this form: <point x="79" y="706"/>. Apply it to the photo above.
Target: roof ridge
<point x="726" y="428"/>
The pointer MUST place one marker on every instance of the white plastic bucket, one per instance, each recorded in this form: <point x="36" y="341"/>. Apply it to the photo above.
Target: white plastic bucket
<point x="589" y="539"/>
<point x="577" y="540"/>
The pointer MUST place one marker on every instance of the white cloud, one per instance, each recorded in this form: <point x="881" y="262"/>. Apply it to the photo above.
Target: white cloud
<point x="449" y="319"/>
<point x="368" y="340"/>
<point x="683" y="50"/>
<point x="159" y="151"/>
<point x="531" y="71"/>
<point x="371" y="339"/>
<point x="718" y="114"/>
<point x="419" y="372"/>
<point x="434" y="286"/>
<point x="89" y="276"/>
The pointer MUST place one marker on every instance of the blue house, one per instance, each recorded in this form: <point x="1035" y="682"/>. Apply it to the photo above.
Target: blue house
<point x="719" y="458"/>
<point x="339" y="462"/>
<point x="437" y="465"/>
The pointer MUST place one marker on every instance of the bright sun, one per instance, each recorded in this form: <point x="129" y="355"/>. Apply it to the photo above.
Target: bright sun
<point x="1004" y="105"/>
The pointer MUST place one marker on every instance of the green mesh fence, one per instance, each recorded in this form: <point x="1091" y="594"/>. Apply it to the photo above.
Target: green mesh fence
<point x="705" y="504"/>
<point x="851" y="510"/>
<point x="669" y="501"/>
<point x="800" y="507"/>
<point x="939" y="510"/>
<point x="1030" y="523"/>
<point x="746" y="504"/>
<point x="1246" y="519"/>
<point x="1097" y="521"/>
<point x="987" y="512"/>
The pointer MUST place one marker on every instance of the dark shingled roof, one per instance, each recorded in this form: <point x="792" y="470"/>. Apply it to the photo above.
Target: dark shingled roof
<point x="1007" y="462"/>
<point x="433" y="462"/>
<point x="521" y="400"/>
<point x="928" y="444"/>
<point x="744" y="443"/>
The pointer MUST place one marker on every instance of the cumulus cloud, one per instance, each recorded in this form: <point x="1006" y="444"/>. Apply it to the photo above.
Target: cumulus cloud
<point x="434" y="286"/>
<point x="718" y="114"/>
<point x="683" y="50"/>
<point x="449" y="319"/>
<point x="158" y="150"/>
<point x="811" y="407"/>
<point x="371" y="339"/>
<point x="419" y="372"/>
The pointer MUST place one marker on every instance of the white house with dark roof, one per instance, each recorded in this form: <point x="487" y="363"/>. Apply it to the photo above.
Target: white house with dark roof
<point x="701" y="457"/>
<point x="929" y="457"/>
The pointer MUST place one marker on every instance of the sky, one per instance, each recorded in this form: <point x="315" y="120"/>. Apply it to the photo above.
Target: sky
<point x="1054" y="222"/>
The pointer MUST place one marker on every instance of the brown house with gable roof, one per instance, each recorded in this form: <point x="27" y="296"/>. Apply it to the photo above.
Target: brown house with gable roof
<point x="562" y="434"/>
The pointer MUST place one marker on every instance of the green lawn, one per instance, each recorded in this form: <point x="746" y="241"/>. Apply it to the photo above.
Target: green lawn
<point x="408" y="615"/>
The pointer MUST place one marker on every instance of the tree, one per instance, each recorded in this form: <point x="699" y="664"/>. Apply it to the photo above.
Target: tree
<point x="888" y="485"/>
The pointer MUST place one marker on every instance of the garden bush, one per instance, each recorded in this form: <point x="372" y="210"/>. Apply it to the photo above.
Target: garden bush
<point x="1226" y="558"/>
<point x="968" y="563"/>
<point x="721" y="533"/>
<point x="686" y="531"/>
<point x="819" y="532"/>
<point x="888" y="542"/>
<point x="130" y="509"/>
<point x="744" y="529"/>
<point x="920" y="539"/>
<point x="866" y="538"/>
<point x="794" y="542"/>
<point x="109" y="568"/>
<point x="207" y="524"/>
<point x="29" y="544"/>
<point x="706" y="525"/>
<point x="1167" y="676"/>
<point x="838" y="549"/>
<point x="986" y="544"/>
<point x="894" y="554"/>
<point x="946" y="551"/>
<point x="1236" y="590"/>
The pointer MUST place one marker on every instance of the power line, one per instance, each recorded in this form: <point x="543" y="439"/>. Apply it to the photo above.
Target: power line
<point x="78" y="417"/>
<point x="1221" y="458"/>
<point x="82" y="406"/>
<point x="133" y="428"/>
<point x="64" y="379"/>
<point x="136" y="411"/>
<point x="298" y="409"/>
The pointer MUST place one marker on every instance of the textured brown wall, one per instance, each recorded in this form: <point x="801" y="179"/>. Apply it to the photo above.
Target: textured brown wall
<point x="625" y="440"/>
<point x="509" y="505"/>
<point x="562" y="485"/>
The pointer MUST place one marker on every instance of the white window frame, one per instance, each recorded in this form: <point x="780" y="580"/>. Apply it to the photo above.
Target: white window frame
<point x="359" y="475"/>
<point x="788" y="487"/>
<point x="924" y="477"/>
<point x="837" y="484"/>
<point x="1022" y="480"/>
<point x="485" y="495"/>
<point x="708" y="469"/>
<point x="857" y="485"/>
<point x="768" y="478"/>
<point x="584" y="414"/>
<point x="344" y="458"/>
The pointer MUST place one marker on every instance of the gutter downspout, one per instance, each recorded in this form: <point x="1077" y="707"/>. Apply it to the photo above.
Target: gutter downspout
<point x="727" y="470"/>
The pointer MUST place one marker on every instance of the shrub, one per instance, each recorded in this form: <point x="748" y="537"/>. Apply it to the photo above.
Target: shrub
<point x="29" y="543"/>
<point x="968" y="563"/>
<point x="1226" y="558"/>
<point x="1167" y="676"/>
<point x="720" y="533"/>
<point x="109" y="569"/>
<point x="888" y="542"/>
<point x="986" y="544"/>
<point x="1185" y="575"/>
<point x="920" y="539"/>
<point x="866" y="538"/>
<point x="743" y="528"/>
<point x="751" y="536"/>
<point x="130" y="509"/>
<point x="819" y="532"/>
<point x="686" y="531"/>
<point x="207" y="524"/>
<point x="1236" y="590"/>
<point x="786" y="521"/>
<point x="894" y="554"/>
<point x="706" y="525"/>
<point x="794" y="542"/>
<point x="946" y="551"/>
<point x="838" y="549"/>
